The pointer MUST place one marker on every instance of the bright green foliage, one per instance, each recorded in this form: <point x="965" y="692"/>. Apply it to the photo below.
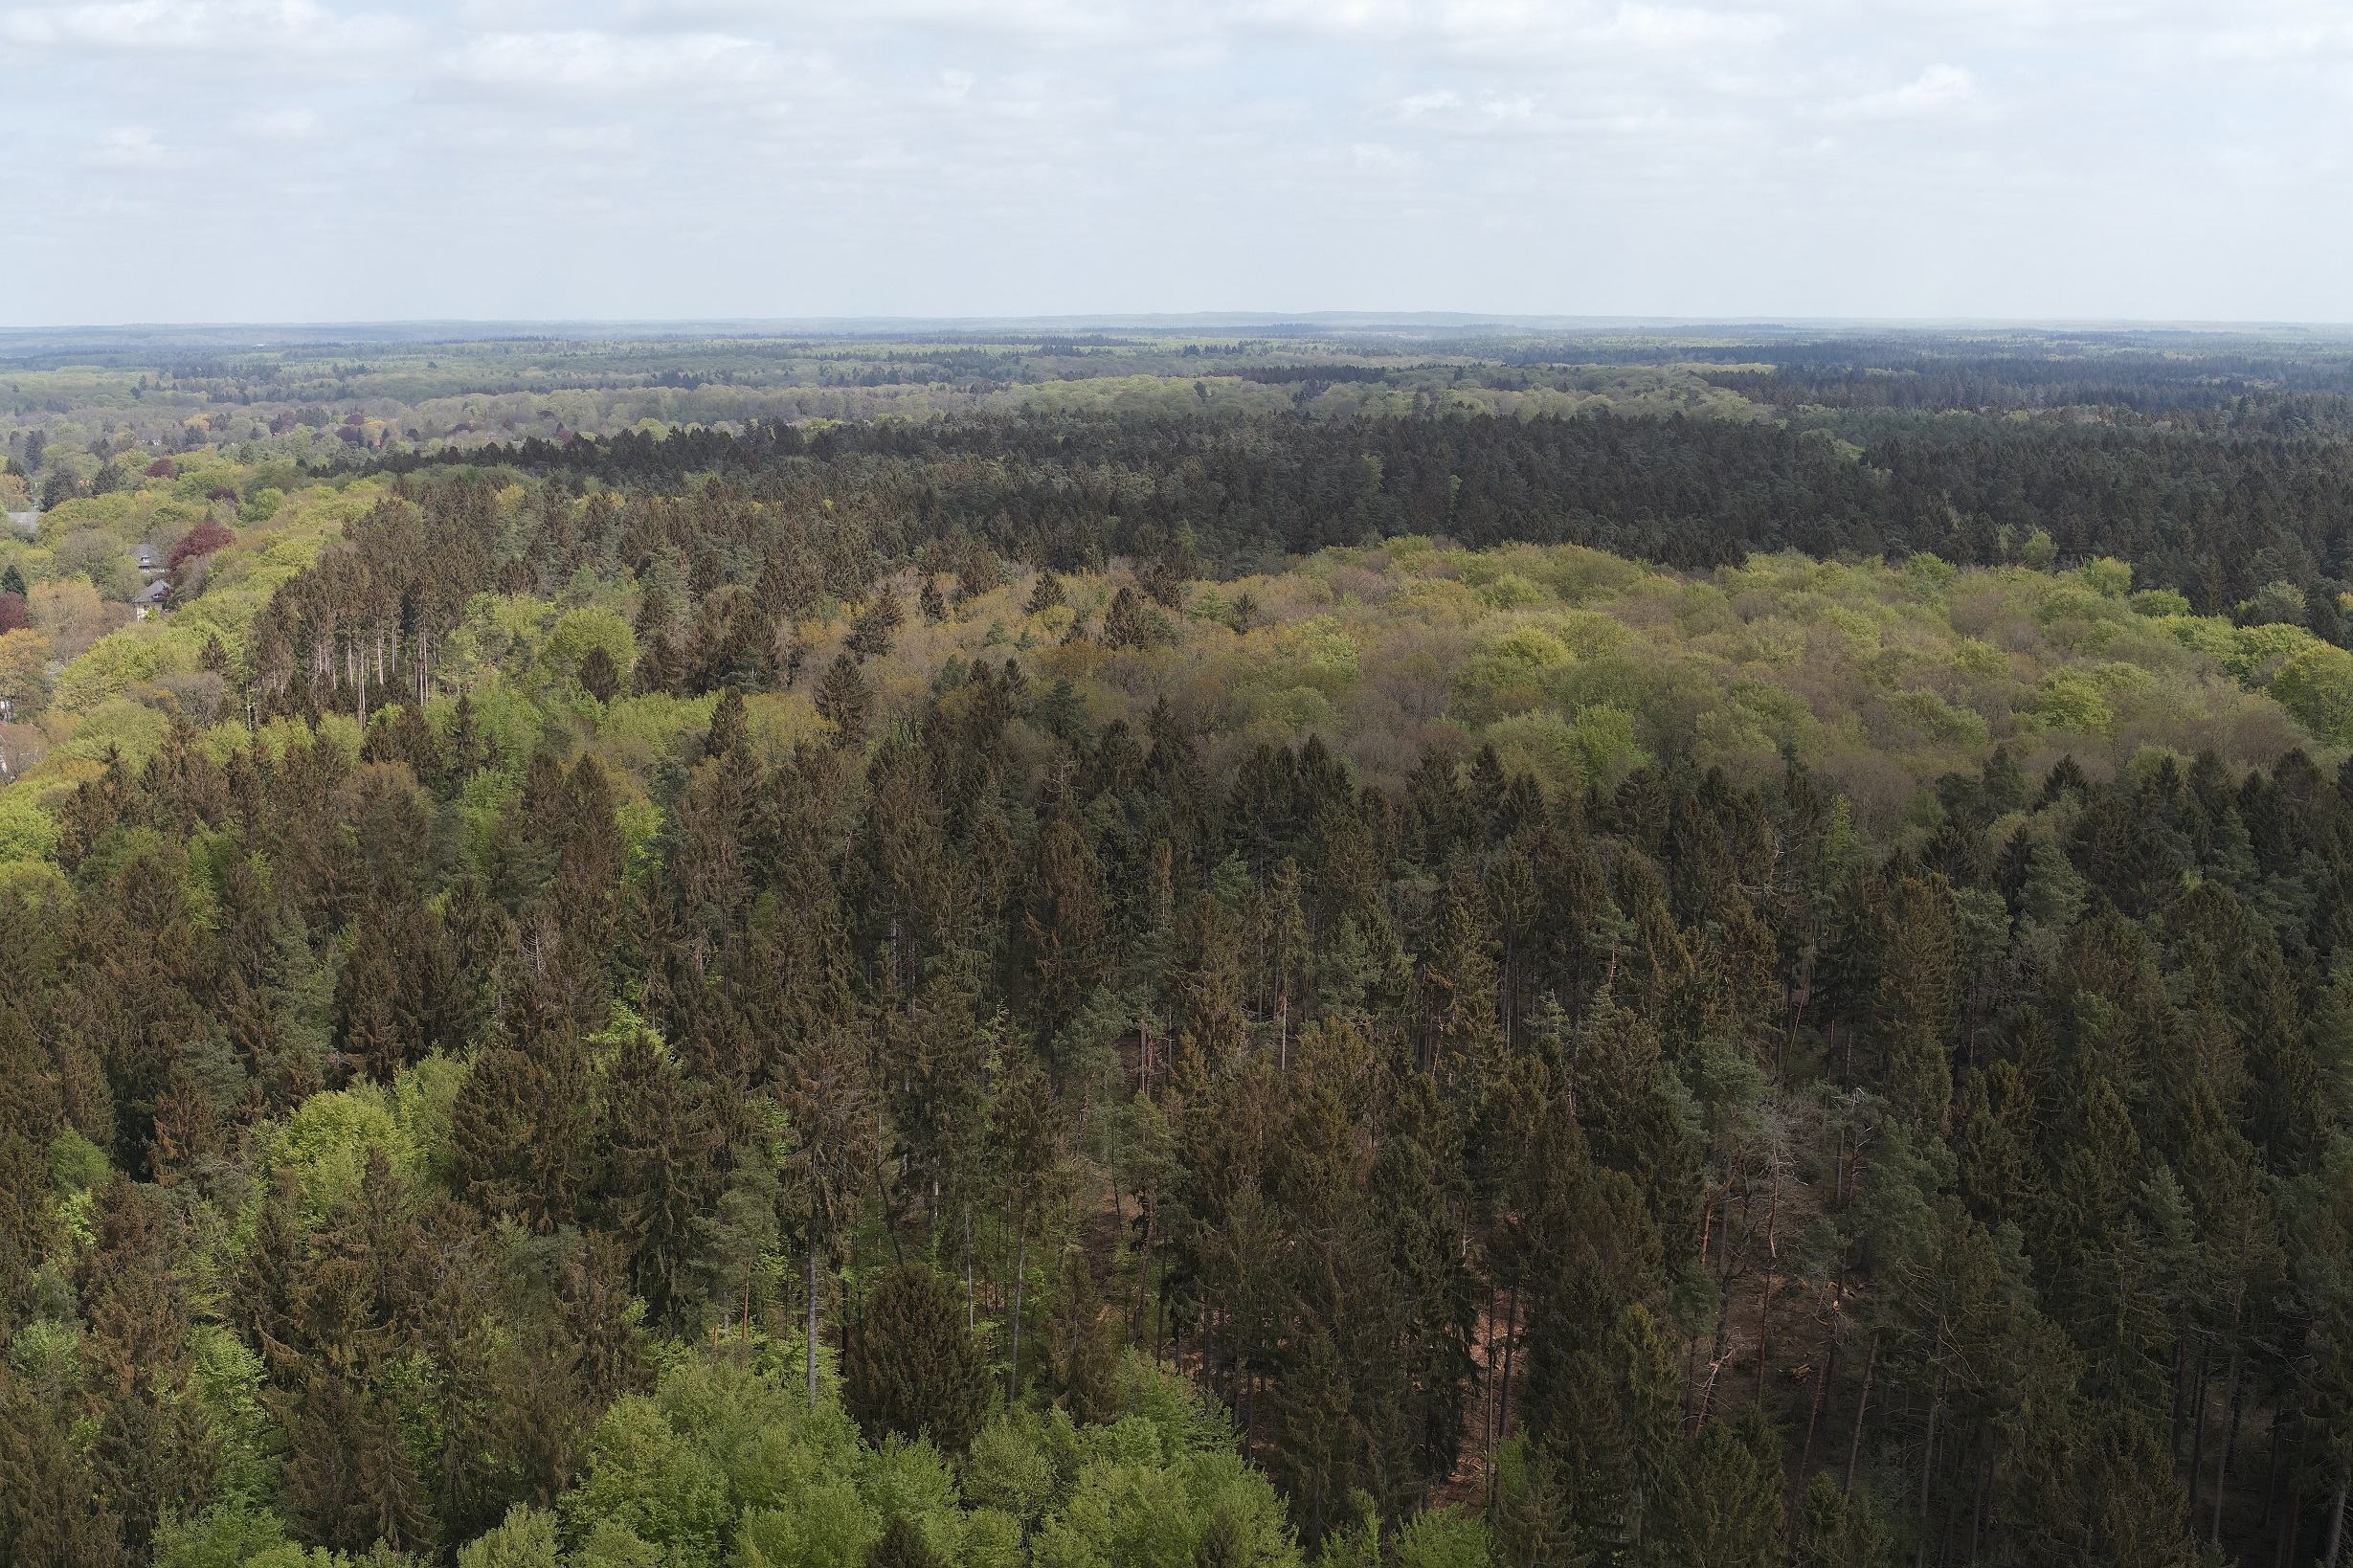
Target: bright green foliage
<point x="1443" y="1537"/>
<point x="1517" y="1027"/>
<point x="2316" y="688"/>
<point x="225" y="1536"/>
<point x="525" y="1538"/>
<point x="723" y="1464"/>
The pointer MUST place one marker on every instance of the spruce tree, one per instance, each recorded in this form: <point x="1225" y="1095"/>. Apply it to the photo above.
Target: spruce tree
<point x="1128" y="622"/>
<point x="599" y="677"/>
<point x="1837" y="1529"/>
<point x="1912" y="1008"/>
<point x="844" y="701"/>
<point x="1085" y="1359"/>
<point x="1315" y="1443"/>
<point x="1724" y="1507"/>
<point x="1063" y="935"/>
<point x="903" y="1545"/>
<point x="668" y="1152"/>
<point x="913" y="1368"/>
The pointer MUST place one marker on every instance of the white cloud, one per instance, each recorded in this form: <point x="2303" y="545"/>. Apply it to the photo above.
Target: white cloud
<point x="179" y="27"/>
<point x="128" y="146"/>
<point x="792" y="157"/>
<point x="1935" y="91"/>
<point x="290" y="124"/>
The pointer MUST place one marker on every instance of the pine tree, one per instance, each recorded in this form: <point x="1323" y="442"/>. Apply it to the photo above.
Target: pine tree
<point x="1045" y="593"/>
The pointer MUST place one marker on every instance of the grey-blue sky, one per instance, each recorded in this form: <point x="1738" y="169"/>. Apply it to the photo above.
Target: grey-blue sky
<point x="351" y="158"/>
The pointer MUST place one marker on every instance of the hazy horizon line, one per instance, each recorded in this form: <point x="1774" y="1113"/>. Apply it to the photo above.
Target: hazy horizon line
<point x="459" y="328"/>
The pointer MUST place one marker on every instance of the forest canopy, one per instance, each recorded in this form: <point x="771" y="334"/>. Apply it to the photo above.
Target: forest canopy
<point x="1394" y="951"/>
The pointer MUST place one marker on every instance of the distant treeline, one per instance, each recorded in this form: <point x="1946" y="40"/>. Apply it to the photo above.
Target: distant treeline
<point x="2253" y="393"/>
<point x="2214" y="517"/>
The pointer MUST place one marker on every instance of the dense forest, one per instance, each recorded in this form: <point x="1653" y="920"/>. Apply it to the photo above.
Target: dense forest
<point x="1108" y="984"/>
<point x="2215" y="520"/>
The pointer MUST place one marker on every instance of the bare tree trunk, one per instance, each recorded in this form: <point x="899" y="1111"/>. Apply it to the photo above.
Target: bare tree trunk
<point x="1813" y="1420"/>
<point x="1928" y="1463"/>
<point x="2197" y="1417"/>
<point x="1020" y="1261"/>
<point x="813" y="1324"/>
<point x="1143" y="1274"/>
<point x="2336" y="1529"/>
<point x="2222" y="1457"/>
<point x="1862" y="1409"/>
<point x="1773" y="1255"/>
<point x="1510" y="1344"/>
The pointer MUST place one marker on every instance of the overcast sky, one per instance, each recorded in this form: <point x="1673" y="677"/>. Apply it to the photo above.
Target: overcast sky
<point x="290" y="160"/>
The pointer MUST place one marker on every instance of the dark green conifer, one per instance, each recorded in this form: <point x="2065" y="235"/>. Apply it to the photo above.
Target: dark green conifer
<point x="913" y="1368"/>
<point x="842" y="700"/>
<point x="904" y="1545"/>
<point x="599" y="677"/>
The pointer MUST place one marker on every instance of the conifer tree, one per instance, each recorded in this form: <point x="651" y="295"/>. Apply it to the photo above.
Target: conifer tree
<point x="1725" y="1506"/>
<point x="1912" y="1008"/>
<point x="1025" y="1149"/>
<point x="152" y="1450"/>
<point x="827" y="1104"/>
<point x="873" y="630"/>
<point x="842" y="700"/>
<point x="668" y="1148"/>
<point x="902" y="1546"/>
<point x="51" y="1511"/>
<point x="1316" y="1441"/>
<point x="600" y="676"/>
<point x="1084" y="1358"/>
<point x="1128" y="622"/>
<point x="1203" y="983"/>
<point x="1062" y="926"/>
<point x="913" y="1368"/>
<point x="1837" y="1529"/>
